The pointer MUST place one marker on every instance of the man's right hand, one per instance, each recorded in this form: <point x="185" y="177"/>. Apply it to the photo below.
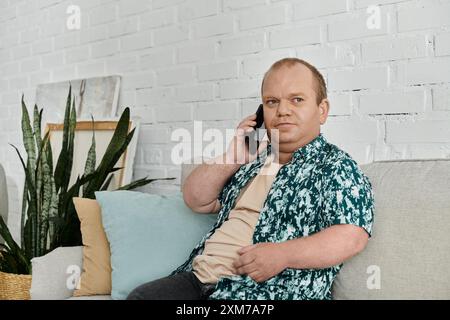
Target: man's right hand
<point x="238" y="150"/>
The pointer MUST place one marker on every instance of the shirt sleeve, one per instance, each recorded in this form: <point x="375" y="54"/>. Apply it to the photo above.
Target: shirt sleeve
<point x="348" y="197"/>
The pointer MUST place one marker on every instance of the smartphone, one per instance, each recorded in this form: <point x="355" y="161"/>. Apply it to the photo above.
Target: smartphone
<point x="259" y="117"/>
<point x="256" y="135"/>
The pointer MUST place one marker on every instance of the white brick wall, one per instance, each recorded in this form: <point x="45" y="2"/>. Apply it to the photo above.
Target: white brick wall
<point x="185" y="60"/>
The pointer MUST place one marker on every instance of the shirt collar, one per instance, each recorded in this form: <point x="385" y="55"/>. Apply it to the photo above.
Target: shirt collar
<point x="309" y="149"/>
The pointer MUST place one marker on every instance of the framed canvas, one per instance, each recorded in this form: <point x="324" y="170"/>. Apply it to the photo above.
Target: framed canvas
<point x="97" y="96"/>
<point x="104" y="131"/>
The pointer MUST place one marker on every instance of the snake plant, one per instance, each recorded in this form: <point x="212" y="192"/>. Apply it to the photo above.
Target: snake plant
<point x="49" y="219"/>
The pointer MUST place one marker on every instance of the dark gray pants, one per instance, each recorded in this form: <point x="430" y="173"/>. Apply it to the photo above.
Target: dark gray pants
<point x="181" y="286"/>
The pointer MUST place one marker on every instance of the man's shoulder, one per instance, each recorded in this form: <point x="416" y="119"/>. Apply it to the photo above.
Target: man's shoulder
<point x="337" y="161"/>
<point x="334" y="156"/>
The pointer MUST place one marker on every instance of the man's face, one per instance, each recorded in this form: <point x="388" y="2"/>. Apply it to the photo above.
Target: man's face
<point x="290" y="106"/>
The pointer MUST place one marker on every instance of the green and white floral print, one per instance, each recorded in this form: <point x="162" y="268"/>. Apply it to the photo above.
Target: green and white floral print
<point x="321" y="186"/>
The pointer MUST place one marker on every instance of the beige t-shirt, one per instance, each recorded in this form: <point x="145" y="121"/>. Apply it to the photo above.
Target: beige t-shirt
<point x="221" y="248"/>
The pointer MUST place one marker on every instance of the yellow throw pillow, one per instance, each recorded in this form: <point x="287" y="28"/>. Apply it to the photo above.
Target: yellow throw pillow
<point x="96" y="274"/>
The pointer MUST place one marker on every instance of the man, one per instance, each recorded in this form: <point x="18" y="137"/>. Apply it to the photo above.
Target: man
<point x="288" y="217"/>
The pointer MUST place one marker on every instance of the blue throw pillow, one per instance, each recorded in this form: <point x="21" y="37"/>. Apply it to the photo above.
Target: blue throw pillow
<point x="149" y="235"/>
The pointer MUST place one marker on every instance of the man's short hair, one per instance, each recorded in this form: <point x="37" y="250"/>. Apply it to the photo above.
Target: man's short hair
<point x="320" y="85"/>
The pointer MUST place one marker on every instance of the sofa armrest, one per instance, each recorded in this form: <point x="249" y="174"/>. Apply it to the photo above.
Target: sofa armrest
<point x="55" y="275"/>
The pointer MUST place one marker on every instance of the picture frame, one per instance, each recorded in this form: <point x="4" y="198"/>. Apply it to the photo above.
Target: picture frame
<point x="104" y="131"/>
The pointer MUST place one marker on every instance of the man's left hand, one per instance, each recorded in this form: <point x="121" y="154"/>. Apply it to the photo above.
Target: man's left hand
<point x="261" y="261"/>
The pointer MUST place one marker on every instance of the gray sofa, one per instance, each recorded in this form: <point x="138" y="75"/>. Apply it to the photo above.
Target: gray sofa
<point x="408" y="256"/>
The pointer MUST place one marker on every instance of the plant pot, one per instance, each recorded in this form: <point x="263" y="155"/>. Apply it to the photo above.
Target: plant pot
<point x="14" y="286"/>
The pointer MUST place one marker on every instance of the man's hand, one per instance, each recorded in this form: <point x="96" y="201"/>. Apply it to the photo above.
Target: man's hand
<point x="261" y="261"/>
<point x="237" y="151"/>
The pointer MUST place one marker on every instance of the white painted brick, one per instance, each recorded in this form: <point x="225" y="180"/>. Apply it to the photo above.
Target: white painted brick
<point x="329" y="55"/>
<point x="21" y="52"/>
<point x="18" y="83"/>
<point x="339" y="131"/>
<point x="10" y="69"/>
<point x="196" y="51"/>
<point x="157" y="59"/>
<point x="199" y="92"/>
<point x="8" y="13"/>
<point x="123" y="27"/>
<point x="170" y="35"/>
<point x="144" y="114"/>
<point x="150" y="134"/>
<point x="29" y="35"/>
<point x="127" y="98"/>
<point x="122" y="64"/>
<point x="193" y="9"/>
<point x="102" y="14"/>
<point x="93" y="34"/>
<point x="30" y="65"/>
<point x="355" y="79"/>
<point x="66" y="40"/>
<point x="150" y="173"/>
<point x="356" y="27"/>
<point x="240" y="89"/>
<point x="394" y="49"/>
<point x="39" y="77"/>
<point x="165" y="3"/>
<point x="239" y="4"/>
<point x="170" y="113"/>
<point x="53" y="28"/>
<point x="393" y="102"/>
<point x="442" y="42"/>
<point x="152" y="96"/>
<point x="91" y="69"/>
<point x="4" y="85"/>
<point x="10" y="40"/>
<point x="138" y="81"/>
<point x="242" y="45"/>
<point x="105" y="48"/>
<point x="441" y="99"/>
<point x="77" y="54"/>
<point x="158" y="18"/>
<point x="11" y="98"/>
<point x="259" y="64"/>
<point x="213" y="26"/>
<point x="308" y="9"/>
<point x="220" y="70"/>
<point x="340" y="104"/>
<point x="217" y="110"/>
<point x="420" y="131"/>
<point x="136" y="41"/>
<point x="5" y="55"/>
<point x="52" y="60"/>
<point x="295" y="37"/>
<point x="366" y="3"/>
<point x="153" y="156"/>
<point x="130" y="7"/>
<point x="426" y="72"/>
<point x="178" y="75"/>
<point x="262" y="17"/>
<point x="436" y="16"/>
<point x="64" y="73"/>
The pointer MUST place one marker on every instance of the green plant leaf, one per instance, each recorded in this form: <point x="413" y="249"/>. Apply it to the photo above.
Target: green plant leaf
<point x="113" y="151"/>
<point x="91" y="157"/>
<point x="62" y="162"/>
<point x="140" y="183"/>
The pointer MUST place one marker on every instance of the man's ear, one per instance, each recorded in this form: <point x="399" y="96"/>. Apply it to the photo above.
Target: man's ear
<point x="324" y="107"/>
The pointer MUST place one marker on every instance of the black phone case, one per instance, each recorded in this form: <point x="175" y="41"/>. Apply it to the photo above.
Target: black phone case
<point x="259" y="122"/>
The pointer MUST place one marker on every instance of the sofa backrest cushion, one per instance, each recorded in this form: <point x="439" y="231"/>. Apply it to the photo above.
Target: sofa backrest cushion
<point x="408" y="256"/>
<point x="150" y="235"/>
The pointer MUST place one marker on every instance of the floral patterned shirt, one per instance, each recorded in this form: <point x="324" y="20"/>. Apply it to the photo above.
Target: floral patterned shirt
<point x="321" y="186"/>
